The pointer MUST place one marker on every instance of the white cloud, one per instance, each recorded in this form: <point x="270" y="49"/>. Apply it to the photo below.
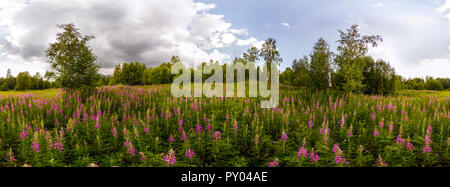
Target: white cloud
<point x="378" y="4"/>
<point x="286" y="25"/>
<point x="444" y="7"/>
<point x="149" y="31"/>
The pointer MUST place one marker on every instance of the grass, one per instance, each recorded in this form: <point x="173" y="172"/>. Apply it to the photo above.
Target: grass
<point x="419" y="93"/>
<point x="48" y="92"/>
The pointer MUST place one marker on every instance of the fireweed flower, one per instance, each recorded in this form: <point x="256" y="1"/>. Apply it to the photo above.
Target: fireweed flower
<point x="189" y="153"/>
<point x="409" y="146"/>
<point x="381" y="124"/>
<point x="274" y="163"/>
<point x="314" y="157"/>
<point x="114" y="131"/>
<point x="10" y="156"/>
<point x="170" y="158"/>
<point x="216" y="135"/>
<point x="146" y="131"/>
<point x="143" y="157"/>
<point x="184" y="137"/>
<point x="310" y="124"/>
<point x="284" y="136"/>
<point x="171" y="139"/>
<point x="35" y="147"/>
<point x="400" y="140"/>
<point x="391" y="128"/>
<point x="23" y="135"/>
<point x="198" y="129"/>
<point x="375" y="132"/>
<point x="235" y="125"/>
<point x="325" y="131"/>
<point x="428" y="142"/>
<point x="381" y="162"/>
<point x="339" y="155"/>
<point x="256" y="140"/>
<point x="302" y="152"/>
<point x="350" y="131"/>
<point x="130" y="148"/>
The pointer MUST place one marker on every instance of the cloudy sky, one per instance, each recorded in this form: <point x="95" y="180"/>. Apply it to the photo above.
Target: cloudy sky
<point x="416" y="33"/>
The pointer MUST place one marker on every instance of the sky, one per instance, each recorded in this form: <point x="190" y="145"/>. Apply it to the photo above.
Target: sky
<point x="416" y="33"/>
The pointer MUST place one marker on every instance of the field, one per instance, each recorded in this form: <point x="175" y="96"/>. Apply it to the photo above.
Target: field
<point x="146" y="127"/>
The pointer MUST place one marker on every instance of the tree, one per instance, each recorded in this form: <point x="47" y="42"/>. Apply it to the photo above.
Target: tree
<point x="72" y="60"/>
<point x="301" y="72"/>
<point x="320" y="67"/>
<point x="433" y="84"/>
<point x="23" y="81"/>
<point x="270" y="52"/>
<point x="251" y="55"/>
<point x="350" y="60"/>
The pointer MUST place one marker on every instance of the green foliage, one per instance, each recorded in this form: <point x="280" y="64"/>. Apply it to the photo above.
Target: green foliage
<point x="23" y="81"/>
<point x="72" y="61"/>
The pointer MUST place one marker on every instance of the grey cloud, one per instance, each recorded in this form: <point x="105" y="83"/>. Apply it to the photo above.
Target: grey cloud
<point x="139" y="30"/>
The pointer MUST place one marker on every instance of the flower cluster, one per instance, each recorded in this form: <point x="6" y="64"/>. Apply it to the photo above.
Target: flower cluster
<point x="130" y="148"/>
<point x="302" y="152"/>
<point x="189" y="153"/>
<point x="35" y="147"/>
<point x="216" y="135"/>
<point x="170" y="158"/>
<point x="339" y="155"/>
<point x="274" y="163"/>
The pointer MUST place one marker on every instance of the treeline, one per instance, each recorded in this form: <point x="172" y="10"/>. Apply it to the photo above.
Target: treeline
<point x="136" y="73"/>
<point x="24" y="81"/>
<point x="429" y="83"/>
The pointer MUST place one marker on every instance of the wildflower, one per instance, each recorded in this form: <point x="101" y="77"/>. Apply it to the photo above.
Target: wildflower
<point x="409" y="146"/>
<point x="274" y="163"/>
<point x="235" y="125"/>
<point x="35" y="147"/>
<point x="189" y="153"/>
<point x="428" y="142"/>
<point x="376" y="133"/>
<point x="302" y="152"/>
<point x="256" y="140"/>
<point x="339" y="155"/>
<point x="114" y="131"/>
<point x="130" y="148"/>
<point x="400" y="140"/>
<point x="391" y="128"/>
<point x="325" y="131"/>
<point x="146" y="131"/>
<point x="314" y="157"/>
<point x="381" y="162"/>
<point x="429" y="130"/>
<point x="310" y="124"/>
<point x="381" y="124"/>
<point x="342" y="122"/>
<point x="10" y="156"/>
<point x="361" y="148"/>
<point x="184" y="137"/>
<point x="198" y="129"/>
<point x="143" y="157"/>
<point x="171" y="139"/>
<point x="350" y="131"/>
<point x="216" y="135"/>
<point x="23" y="135"/>
<point x="170" y="157"/>
<point x="284" y="136"/>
